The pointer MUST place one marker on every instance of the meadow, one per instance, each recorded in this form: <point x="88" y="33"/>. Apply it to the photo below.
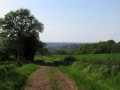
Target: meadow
<point x="93" y="71"/>
<point x="102" y="59"/>
<point x="89" y="71"/>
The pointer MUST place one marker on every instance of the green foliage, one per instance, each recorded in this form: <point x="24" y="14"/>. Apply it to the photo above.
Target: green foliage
<point x="102" y="47"/>
<point x="50" y="58"/>
<point x="42" y="50"/>
<point x="15" y="78"/>
<point x="69" y="60"/>
<point x="53" y="78"/>
<point x="100" y="59"/>
<point x="20" y="33"/>
<point x="20" y="22"/>
<point x="92" y="73"/>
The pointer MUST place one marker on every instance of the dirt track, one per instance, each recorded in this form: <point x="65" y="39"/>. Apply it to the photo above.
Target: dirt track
<point x="65" y="82"/>
<point x="40" y="80"/>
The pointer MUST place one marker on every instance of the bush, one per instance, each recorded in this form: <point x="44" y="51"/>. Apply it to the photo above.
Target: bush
<point x="66" y="61"/>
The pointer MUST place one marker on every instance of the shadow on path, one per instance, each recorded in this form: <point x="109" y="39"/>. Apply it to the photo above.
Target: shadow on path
<point x="66" y="62"/>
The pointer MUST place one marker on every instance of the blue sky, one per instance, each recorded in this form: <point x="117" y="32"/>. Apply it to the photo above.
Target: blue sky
<point x="72" y="20"/>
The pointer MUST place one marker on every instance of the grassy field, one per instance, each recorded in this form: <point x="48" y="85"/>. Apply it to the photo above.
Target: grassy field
<point x="93" y="71"/>
<point x="102" y="59"/>
<point x="90" y="71"/>
<point x="106" y="59"/>
<point x="15" y="77"/>
<point x="50" y="58"/>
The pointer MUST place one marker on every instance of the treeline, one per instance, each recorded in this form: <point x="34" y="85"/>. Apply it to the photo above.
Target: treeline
<point x="109" y="46"/>
<point x="64" y="52"/>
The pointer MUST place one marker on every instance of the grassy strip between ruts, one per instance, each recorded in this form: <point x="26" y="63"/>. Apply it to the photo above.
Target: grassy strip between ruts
<point x="16" y="78"/>
<point x="53" y="78"/>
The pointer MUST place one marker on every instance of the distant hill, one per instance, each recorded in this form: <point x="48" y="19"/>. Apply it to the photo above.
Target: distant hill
<point x="62" y="45"/>
<point x="53" y="44"/>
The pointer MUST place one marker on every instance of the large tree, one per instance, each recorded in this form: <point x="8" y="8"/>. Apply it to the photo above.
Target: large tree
<point x="22" y="29"/>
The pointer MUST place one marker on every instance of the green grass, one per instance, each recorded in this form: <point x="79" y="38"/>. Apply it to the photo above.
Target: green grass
<point x="15" y="78"/>
<point x="6" y="64"/>
<point x="53" y="78"/>
<point x="93" y="77"/>
<point x="102" y="59"/>
<point x="50" y="58"/>
<point x="94" y="71"/>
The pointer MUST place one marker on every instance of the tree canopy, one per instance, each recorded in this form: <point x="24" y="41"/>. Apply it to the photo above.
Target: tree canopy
<point x="20" y="30"/>
<point x="109" y="46"/>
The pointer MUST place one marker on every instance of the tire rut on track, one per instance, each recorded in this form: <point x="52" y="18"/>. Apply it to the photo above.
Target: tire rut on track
<point x="65" y="82"/>
<point x="39" y="80"/>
